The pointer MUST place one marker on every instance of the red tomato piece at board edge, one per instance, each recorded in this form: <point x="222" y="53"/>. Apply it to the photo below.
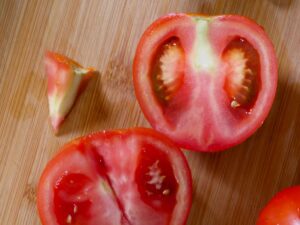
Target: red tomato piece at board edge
<point x="122" y="177"/>
<point x="283" y="209"/>
<point x="207" y="82"/>
<point x="66" y="80"/>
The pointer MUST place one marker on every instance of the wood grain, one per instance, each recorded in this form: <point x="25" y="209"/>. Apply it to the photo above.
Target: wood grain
<point x="230" y="188"/>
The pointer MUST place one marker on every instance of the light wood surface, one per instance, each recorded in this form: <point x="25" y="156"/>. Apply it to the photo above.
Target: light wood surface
<point x="230" y="188"/>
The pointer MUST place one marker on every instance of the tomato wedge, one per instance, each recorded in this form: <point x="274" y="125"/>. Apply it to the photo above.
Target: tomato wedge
<point x="208" y="83"/>
<point x="283" y="209"/>
<point x="66" y="79"/>
<point x="126" y="177"/>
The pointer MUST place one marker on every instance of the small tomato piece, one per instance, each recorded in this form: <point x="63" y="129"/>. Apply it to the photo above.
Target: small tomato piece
<point x="66" y="79"/>
<point x="283" y="209"/>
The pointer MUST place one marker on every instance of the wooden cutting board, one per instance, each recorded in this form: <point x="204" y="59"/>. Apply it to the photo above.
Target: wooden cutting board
<point x="230" y="187"/>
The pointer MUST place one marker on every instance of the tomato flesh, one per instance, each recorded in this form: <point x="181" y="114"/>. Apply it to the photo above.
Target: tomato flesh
<point x="225" y="74"/>
<point x="127" y="177"/>
<point x="97" y="160"/>
<point x="66" y="80"/>
<point x="243" y="79"/>
<point x="75" y="208"/>
<point x="156" y="180"/>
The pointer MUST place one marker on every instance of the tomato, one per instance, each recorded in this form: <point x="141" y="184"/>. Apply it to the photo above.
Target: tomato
<point x="66" y="78"/>
<point x="208" y="83"/>
<point x="125" y="177"/>
<point x="283" y="209"/>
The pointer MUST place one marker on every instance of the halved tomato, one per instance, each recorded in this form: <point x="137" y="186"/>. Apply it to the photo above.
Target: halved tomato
<point x="126" y="177"/>
<point x="283" y="209"/>
<point x="206" y="82"/>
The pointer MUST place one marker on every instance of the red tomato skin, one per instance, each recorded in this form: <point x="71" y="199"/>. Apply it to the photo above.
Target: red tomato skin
<point x="61" y="74"/>
<point x="273" y="73"/>
<point x="68" y="149"/>
<point x="64" y="63"/>
<point x="142" y="93"/>
<point x="283" y="209"/>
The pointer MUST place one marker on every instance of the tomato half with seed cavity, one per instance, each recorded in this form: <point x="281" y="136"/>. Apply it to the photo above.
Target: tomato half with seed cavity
<point x="206" y="82"/>
<point x="283" y="209"/>
<point x="123" y="177"/>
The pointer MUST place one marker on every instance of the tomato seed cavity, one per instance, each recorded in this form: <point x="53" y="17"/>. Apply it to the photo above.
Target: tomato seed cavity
<point x="70" y="199"/>
<point x="242" y="83"/>
<point x="155" y="179"/>
<point x="167" y="70"/>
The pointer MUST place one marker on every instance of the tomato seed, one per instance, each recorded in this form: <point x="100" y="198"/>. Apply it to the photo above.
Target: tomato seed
<point x="166" y="192"/>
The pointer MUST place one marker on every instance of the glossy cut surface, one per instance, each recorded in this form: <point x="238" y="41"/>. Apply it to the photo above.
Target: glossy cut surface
<point x="122" y="177"/>
<point x="229" y="188"/>
<point x="217" y="79"/>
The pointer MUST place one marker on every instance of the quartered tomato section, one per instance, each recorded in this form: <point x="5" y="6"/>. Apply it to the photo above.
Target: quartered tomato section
<point x="126" y="177"/>
<point x="206" y="82"/>
<point x="66" y="80"/>
<point x="283" y="209"/>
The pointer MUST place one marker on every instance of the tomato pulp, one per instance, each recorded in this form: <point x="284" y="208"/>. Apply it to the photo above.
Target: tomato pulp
<point x="124" y="177"/>
<point x="283" y="209"/>
<point x="66" y="80"/>
<point x="208" y="83"/>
